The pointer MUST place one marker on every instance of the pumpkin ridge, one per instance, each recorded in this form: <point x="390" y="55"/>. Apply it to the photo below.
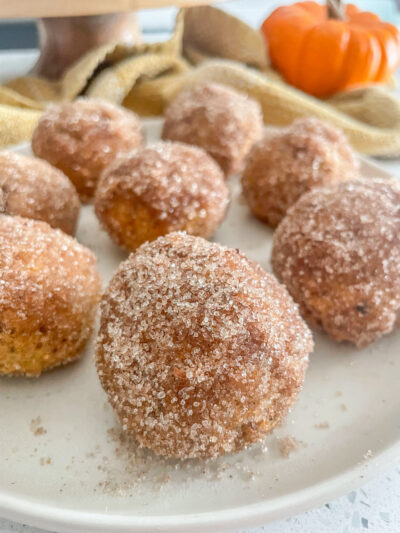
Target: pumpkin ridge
<point x="320" y="32"/>
<point x="300" y="56"/>
<point x="362" y="64"/>
<point x="388" y="51"/>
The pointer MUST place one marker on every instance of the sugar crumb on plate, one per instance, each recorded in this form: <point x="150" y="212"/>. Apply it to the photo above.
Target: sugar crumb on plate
<point x="288" y="445"/>
<point x="36" y="426"/>
<point x="322" y="425"/>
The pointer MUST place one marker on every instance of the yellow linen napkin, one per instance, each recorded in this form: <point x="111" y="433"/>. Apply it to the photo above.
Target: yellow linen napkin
<point x="207" y="45"/>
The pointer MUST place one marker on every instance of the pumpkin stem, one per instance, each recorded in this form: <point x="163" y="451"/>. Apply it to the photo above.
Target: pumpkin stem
<point x="335" y="9"/>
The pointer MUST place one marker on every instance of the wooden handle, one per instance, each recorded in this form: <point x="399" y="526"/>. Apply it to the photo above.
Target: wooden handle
<point x="51" y="8"/>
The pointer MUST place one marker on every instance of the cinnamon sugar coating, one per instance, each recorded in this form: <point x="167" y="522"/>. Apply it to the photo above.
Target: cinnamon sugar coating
<point x="49" y="290"/>
<point x="223" y="121"/>
<point x="84" y="137"/>
<point x="158" y="189"/>
<point x="200" y="351"/>
<point x="31" y="188"/>
<point x="338" y="252"/>
<point x="2" y="201"/>
<point x="289" y="162"/>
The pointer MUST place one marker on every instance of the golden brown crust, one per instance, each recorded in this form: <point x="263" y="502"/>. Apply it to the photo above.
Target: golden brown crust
<point x="49" y="290"/>
<point x="290" y="162"/>
<point x="200" y="351"/>
<point x="162" y="188"/>
<point x="83" y="137"/>
<point x="338" y="252"/>
<point x="222" y="121"/>
<point x="2" y="201"/>
<point x="32" y="188"/>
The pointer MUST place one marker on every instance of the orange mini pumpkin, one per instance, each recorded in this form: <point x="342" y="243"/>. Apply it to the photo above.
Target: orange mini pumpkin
<point x="322" y="54"/>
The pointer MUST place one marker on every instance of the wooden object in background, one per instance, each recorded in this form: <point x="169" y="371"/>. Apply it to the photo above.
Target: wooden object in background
<point x="70" y="8"/>
<point x="64" y="40"/>
<point x="69" y="29"/>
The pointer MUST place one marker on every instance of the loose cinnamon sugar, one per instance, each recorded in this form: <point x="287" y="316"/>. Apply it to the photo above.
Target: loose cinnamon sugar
<point x="130" y="469"/>
<point x="288" y="445"/>
<point x="36" y="426"/>
<point x="368" y="455"/>
<point x="322" y="425"/>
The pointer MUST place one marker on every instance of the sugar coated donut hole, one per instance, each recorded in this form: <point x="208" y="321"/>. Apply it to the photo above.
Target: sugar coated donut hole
<point x="223" y="121"/>
<point x="338" y="252"/>
<point x="32" y="188"/>
<point x="200" y="351"/>
<point x="159" y="189"/>
<point x="289" y="162"/>
<point x="49" y="290"/>
<point x="84" y="137"/>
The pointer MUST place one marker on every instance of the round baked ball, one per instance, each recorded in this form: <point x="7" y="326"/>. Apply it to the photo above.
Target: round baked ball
<point x="200" y="351"/>
<point x="31" y="188"/>
<point x="84" y="137"/>
<point x="159" y="189"/>
<point x="338" y="252"/>
<point x="49" y="290"/>
<point x="224" y="122"/>
<point x="290" y="162"/>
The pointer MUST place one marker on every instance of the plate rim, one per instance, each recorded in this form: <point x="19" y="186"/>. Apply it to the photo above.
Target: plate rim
<point x="66" y="520"/>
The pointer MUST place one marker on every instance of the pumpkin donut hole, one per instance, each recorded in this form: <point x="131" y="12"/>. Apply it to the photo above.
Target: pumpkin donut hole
<point x="219" y="119"/>
<point x="49" y="291"/>
<point x="32" y="188"/>
<point x="338" y="253"/>
<point x="200" y="351"/>
<point x="159" y="189"/>
<point x="290" y="162"/>
<point x="82" y="138"/>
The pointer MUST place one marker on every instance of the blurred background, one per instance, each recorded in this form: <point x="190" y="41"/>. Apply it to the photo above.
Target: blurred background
<point x="22" y="33"/>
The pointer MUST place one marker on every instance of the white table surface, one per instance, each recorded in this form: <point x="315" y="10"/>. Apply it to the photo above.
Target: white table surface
<point x="375" y="507"/>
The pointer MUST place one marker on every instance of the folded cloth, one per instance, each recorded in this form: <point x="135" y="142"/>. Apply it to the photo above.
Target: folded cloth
<point x="207" y="45"/>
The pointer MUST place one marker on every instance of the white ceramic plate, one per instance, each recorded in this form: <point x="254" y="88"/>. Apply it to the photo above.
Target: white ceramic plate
<point x="63" y="471"/>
